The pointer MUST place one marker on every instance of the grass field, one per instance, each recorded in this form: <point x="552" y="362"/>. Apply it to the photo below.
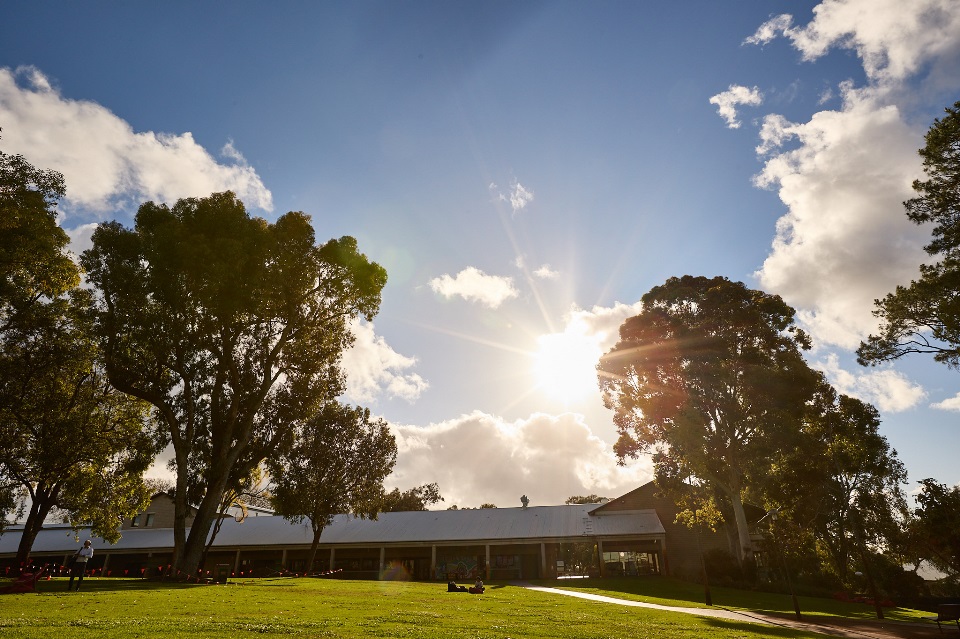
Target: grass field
<point x="114" y="608"/>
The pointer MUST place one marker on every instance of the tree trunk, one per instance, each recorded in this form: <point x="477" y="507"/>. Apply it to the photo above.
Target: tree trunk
<point x="313" y="548"/>
<point x="745" y="549"/>
<point x="199" y="529"/>
<point x="39" y="509"/>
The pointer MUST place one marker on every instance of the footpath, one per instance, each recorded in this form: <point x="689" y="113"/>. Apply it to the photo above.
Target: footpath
<point x="833" y="626"/>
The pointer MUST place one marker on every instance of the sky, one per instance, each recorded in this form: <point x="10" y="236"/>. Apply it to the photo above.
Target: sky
<point x="525" y="172"/>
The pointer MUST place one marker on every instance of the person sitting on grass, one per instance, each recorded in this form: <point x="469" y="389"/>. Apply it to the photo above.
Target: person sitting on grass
<point x="477" y="587"/>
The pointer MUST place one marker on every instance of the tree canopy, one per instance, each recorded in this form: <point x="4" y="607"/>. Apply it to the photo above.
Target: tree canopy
<point x="936" y="526"/>
<point x="337" y="466"/>
<point x="231" y="327"/>
<point x="924" y="317"/>
<point x="841" y="482"/>
<point x="417" y="498"/>
<point x="68" y="441"/>
<point x="711" y="375"/>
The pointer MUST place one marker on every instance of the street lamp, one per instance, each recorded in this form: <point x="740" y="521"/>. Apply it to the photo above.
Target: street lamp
<point x="776" y="542"/>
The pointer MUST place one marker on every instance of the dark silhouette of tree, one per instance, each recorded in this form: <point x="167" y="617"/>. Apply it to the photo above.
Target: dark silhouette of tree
<point x="584" y="499"/>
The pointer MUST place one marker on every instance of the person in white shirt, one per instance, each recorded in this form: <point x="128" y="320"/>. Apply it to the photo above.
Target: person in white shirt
<point x="80" y="560"/>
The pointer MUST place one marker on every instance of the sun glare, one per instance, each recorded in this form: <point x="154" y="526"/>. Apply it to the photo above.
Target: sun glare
<point x="564" y="366"/>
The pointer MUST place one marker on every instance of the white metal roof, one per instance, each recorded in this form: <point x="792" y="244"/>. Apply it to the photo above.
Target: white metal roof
<point x="487" y="525"/>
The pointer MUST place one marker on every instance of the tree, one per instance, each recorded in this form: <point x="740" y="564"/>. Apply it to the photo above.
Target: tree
<point x="937" y="525"/>
<point x="67" y="438"/>
<point x="417" y="498"/>
<point x="337" y="466"/>
<point x="711" y="373"/>
<point x="841" y="481"/>
<point x="581" y="499"/>
<point x="34" y="265"/>
<point x="231" y="327"/>
<point x="924" y="317"/>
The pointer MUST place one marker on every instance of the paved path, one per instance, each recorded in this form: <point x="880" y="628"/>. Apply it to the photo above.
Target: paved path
<point x="837" y="627"/>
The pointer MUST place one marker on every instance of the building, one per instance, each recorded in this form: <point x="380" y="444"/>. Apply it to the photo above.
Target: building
<point x="631" y="535"/>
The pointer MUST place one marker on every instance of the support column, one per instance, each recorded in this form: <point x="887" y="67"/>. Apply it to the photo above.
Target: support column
<point x="333" y="559"/>
<point x="543" y="560"/>
<point x="106" y="565"/>
<point x="433" y="562"/>
<point x="236" y="563"/>
<point x="600" y="557"/>
<point x="383" y="556"/>
<point x="487" y="564"/>
<point x="283" y="559"/>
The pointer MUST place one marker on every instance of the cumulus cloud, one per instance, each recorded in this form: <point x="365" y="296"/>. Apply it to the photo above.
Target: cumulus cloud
<point x="894" y="39"/>
<point x="603" y="322"/>
<point x="843" y="175"/>
<point x="887" y="389"/>
<point x="728" y="101"/>
<point x="105" y="163"/>
<point x="950" y="404"/>
<point x="479" y="458"/>
<point x="374" y="369"/>
<point x="474" y="285"/>
<point x="845" y="240"/>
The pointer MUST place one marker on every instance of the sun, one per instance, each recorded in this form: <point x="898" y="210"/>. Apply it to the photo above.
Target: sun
<point x="564" y="365"/>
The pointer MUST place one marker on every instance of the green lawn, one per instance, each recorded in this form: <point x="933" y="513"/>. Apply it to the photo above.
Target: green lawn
<point x="115" y="608"/>
<point x="673" y="592"/>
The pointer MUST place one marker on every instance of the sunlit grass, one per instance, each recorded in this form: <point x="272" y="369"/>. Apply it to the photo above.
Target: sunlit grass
<point x="115" y="608"/>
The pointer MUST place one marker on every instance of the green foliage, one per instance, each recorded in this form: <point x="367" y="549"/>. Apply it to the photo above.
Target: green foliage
<point x="936" y="525"/>
<point x="842" y="483"/>
<point x="924" y="317"/>
<point x="68" y="440"/>
<point x="712" y="372"/>
<point x="34" y="265"/>
<point x="336" y="466"/>
<point x="231" y="327"/>
<point x="417" y="498"/>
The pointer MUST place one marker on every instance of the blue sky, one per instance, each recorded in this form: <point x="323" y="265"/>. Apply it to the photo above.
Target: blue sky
<point x="525" y="172"/>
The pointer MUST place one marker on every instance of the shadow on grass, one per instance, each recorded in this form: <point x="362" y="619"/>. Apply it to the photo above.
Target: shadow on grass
<point x="98" y="584"/>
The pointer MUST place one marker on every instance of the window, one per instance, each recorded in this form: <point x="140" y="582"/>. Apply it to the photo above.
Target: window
<point x="149" y="521"/>
<point x="135" y="522"/>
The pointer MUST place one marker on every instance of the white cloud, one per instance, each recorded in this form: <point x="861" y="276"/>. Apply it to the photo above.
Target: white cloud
<point x="603" y="322"/>
<point x="474" y="285"/>
<point x="374" y="369"/>
<point x="518" y="197"/>
<point x="895" y="39"/>
<point x="546" y="273"/>
<point x="728" y="101"/>
<point x="887" y="389"/>
<point x="845" y="240"/>
<point x="949" y="404"/>
<point x="105" y="163"/>
<point x="770" y="29"/>
<point x="480" y="458"/>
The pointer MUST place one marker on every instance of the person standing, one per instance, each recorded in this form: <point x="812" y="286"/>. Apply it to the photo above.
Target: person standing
<point x="80" y="560"/>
